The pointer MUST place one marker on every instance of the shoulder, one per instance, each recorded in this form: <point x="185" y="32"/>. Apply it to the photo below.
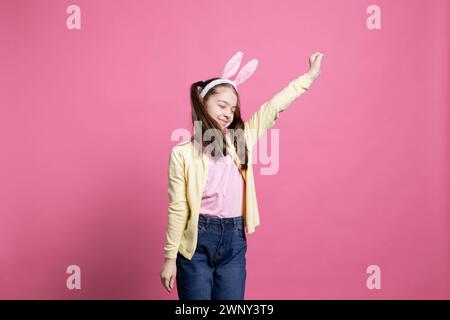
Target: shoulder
<point x="181" y="149"/>
<point x="185" y="144"/>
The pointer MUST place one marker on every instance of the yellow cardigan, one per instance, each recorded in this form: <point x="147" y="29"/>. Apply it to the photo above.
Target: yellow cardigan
<point x="188" y="171"/>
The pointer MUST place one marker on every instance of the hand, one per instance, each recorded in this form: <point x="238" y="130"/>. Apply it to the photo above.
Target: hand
<point x="168" y="274"/>
<point x="314" y="63"/>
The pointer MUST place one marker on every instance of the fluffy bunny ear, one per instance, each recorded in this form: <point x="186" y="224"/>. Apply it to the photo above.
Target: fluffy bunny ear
<point x="232" y="65"/>
<point x="246" y="71"/>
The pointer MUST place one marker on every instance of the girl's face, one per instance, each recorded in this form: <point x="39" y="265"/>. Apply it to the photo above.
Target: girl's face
<point x="221" y="106"/>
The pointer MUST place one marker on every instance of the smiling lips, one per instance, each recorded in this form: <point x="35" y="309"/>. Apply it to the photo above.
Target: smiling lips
<point x="224" y="122"/>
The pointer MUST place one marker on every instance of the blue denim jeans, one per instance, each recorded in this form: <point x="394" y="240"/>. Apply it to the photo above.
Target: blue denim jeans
<point x="217" y="270"/>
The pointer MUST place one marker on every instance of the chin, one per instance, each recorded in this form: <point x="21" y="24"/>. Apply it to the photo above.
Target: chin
<point x="223" y="126"/>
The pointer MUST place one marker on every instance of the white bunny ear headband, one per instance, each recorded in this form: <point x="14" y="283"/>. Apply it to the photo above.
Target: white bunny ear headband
<point x="230" y="69"/>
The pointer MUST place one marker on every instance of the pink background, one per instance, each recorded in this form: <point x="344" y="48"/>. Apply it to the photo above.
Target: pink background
<point x="86" y="119"/>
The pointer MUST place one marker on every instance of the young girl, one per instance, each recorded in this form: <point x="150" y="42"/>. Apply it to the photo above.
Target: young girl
<point x="212" y="195"/>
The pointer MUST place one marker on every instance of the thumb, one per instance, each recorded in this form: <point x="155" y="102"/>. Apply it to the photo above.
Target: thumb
<point x="172" y="280"/>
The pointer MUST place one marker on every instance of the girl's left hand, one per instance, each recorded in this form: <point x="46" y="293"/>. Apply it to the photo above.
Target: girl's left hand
<point x="314" y="62"/>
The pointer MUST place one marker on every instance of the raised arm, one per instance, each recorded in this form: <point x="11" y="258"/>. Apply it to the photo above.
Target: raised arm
<point x="178" y="206"/>
<point x="269" y="112"/>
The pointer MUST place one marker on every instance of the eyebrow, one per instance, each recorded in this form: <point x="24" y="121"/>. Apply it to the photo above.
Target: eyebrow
<point x="227" y="103"/>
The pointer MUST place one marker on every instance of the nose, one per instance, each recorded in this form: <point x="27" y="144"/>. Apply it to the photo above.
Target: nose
<point x="228" y="114"/>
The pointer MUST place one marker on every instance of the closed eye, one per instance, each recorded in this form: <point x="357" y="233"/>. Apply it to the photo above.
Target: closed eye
<point x="223" y="107"/>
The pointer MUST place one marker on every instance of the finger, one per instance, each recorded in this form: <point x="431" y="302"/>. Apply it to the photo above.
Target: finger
<point x="314" y="57"/>
<point x="172" y="280"/>
<point x="318" y="58"/>
<point x="166" y="284"/>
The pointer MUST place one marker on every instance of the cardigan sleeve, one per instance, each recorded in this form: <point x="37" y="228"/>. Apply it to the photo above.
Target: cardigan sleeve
<point x="178" y="205"/>
<point x="265" y="117"/>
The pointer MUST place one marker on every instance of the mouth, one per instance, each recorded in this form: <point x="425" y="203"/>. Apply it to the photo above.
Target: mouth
<point x="225" y="123"/>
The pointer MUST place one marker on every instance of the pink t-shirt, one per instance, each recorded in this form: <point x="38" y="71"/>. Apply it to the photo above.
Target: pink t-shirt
<point x="224" y="190"/>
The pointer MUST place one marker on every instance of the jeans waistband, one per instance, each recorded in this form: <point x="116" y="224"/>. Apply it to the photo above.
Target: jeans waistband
<point x="216" y="220"/>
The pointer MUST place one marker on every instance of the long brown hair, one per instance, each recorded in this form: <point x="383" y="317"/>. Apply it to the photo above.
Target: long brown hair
<point x="199" y="113"/>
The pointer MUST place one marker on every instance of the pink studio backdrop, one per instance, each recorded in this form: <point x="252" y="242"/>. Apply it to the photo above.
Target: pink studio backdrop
<point x="86" y="120"/>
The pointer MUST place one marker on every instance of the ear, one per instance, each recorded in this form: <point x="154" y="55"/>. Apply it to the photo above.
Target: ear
<point x="246" y="71"/>
<point x="232" y="65"/>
